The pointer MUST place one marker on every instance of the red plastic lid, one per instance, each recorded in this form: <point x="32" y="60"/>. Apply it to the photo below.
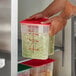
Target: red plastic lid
<point x="37" y="63"/>
<point x="35" y="21"/>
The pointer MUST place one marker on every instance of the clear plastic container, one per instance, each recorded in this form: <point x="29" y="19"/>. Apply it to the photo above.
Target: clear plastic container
<point x="40" y="67"/>
<point x="35" y="38"/>
<point x="36" y="42"/>
<point x="23" y="70"/>
<point x="49" y="69"/>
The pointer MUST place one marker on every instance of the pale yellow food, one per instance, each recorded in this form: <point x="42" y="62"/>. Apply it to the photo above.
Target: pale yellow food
<point x="35" y="46"/>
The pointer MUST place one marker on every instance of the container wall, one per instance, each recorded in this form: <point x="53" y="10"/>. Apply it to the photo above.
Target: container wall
<point x="44" y="70"/>
<point x="25" y="73"/>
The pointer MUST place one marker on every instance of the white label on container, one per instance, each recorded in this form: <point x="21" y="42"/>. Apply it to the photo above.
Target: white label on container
<point x="2" y="63"/>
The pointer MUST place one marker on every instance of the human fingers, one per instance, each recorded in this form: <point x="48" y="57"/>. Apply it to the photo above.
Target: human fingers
<point x="36" y="16"/>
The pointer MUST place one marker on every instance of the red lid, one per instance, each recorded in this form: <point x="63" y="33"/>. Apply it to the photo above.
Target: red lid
<point x="37" y="62"/>
<point x="35" y="21"/>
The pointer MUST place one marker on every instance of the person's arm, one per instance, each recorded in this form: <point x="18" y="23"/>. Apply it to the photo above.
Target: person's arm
<point x="55" y="7"/>
<point x="68" y="11"/>
<point x="59" y="22"/>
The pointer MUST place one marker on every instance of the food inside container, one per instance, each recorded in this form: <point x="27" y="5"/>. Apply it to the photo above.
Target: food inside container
<point x="35" y="46"/>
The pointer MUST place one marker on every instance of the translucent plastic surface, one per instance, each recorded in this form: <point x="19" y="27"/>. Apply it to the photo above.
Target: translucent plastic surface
<point x="46" y="70"/>
<point x="36" y="42"/>
<point x="25" y="73"/>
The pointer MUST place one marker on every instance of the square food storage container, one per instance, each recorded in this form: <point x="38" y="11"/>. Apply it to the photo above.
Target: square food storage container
<point x="23" y="70"/>
<point x="35" y="39"/>
<point x="40" y="67"/>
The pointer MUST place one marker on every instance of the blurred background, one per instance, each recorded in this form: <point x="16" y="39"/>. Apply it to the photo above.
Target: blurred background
<point x="5" y="36"/>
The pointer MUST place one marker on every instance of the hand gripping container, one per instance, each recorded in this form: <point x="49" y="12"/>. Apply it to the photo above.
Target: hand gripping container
<point x="41" y="67"/>
<point x="35" y="38"/>
<point x="23" y="70"/>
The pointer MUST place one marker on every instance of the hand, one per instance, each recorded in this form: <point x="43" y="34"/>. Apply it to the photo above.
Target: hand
<point x="37" y="16"/>
<point x="67" y="11"/>
<point x="57" y="24"/>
